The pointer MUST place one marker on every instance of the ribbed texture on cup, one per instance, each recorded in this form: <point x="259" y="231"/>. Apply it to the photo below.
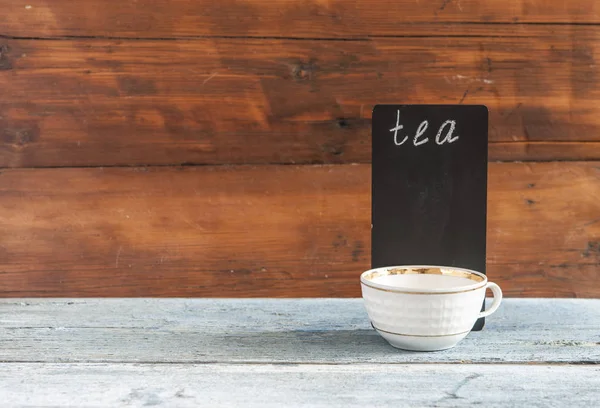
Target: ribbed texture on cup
<point x="423" y="314"/>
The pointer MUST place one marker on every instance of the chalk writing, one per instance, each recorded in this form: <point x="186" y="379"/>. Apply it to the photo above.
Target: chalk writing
<point x="448" y="138"/>
<point x="396" y="129"/>
<point x="441" y="138"/>
<point x="422" y="128"/>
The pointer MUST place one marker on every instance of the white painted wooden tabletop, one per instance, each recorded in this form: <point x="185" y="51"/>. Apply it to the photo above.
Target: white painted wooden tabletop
<point x="292" y="352"/>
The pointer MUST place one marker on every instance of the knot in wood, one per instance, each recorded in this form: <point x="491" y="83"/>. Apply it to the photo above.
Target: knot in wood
<point x="5" y="63"/>
<point x="303" y="71"/>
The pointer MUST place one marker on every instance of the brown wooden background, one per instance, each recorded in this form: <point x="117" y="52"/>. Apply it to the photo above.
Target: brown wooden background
<point x="221" y="148"/>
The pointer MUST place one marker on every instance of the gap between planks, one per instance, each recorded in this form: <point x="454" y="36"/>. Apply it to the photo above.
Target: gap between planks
<point x="310" y="363"/>
<point x="367" y="37"/>
<point x="260" y="164"/>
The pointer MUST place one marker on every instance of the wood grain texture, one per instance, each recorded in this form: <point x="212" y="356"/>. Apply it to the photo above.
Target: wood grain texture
<point x="194" y="352"/>
<point x="279" y="331"/>
<point x="283" y="231"/>
<point x="267" y="18"/>
<point x="183" y="385"/>
<point x="544" y="151"/>
<point x="90" y="102"/>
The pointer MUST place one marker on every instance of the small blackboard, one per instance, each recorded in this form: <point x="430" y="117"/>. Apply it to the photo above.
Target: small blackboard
<point x="429" y="186"/>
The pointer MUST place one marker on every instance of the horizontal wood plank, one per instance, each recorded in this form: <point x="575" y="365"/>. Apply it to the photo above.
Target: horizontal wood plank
<point x="279" y="331"/>
<point x="544" y="151"/>
<point x="194" y="352"/>
<point x="283" y="231"/>
<point x="221" y="101"/>
<point x="267" y="18"/>
<point x="182" y="385"/>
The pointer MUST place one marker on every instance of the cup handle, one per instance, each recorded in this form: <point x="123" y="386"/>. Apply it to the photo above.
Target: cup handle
<point x="497" y="292"/>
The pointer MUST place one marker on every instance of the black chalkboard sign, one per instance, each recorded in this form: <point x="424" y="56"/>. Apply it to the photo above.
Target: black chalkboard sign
<point x="429" y="186"/>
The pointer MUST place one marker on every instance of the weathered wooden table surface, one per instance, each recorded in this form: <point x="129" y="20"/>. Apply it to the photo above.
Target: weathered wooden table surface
<point x="313" y="352"/>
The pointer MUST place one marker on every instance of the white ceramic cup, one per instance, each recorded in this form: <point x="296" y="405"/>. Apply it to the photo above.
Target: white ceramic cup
<point x="425" y="308"/>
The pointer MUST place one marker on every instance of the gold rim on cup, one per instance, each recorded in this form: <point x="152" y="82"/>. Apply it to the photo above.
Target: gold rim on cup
<point x="367" y="278"/>
<point x="420" y="335"/>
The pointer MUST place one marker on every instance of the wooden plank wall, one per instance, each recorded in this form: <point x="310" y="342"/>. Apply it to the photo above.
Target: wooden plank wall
<point x="200" y="148"/>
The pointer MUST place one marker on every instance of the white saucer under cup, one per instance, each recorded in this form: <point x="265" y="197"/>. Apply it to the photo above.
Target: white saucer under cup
<point x="425" y="308"/>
